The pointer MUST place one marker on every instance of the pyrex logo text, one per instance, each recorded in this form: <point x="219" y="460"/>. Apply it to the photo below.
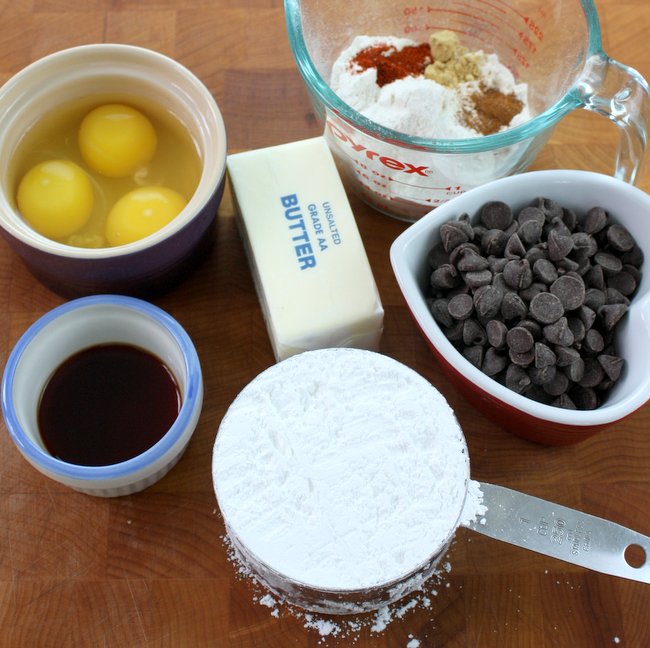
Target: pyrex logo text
<point x="388" y="162"/>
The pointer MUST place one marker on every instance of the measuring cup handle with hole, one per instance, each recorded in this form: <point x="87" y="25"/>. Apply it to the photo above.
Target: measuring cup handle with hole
<point x="621" y="94"/>
<point x="561" y="532"/>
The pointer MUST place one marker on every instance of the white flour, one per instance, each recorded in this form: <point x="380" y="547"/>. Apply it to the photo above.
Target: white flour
<point x="342" y="469"/>
<point x="416" y="105"/>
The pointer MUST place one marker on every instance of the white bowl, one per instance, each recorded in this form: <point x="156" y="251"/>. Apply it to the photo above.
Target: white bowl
<point x="578" y="190"/>
<point x="80" y="324"/>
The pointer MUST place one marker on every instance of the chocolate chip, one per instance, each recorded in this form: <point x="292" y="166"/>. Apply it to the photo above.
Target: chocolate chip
<point x="611" y="314"/>
<point x="585" y="398"/>
<point x="566" y="355"/>
<point x="478" y="278"/>
<point x="532" y="326"/>
<point x="470" y="260"/>
<point x="473" y="333"/>
<point x="594" y="298"/>
<point x="587" y="316"/>
<point x="577" y="328"/>
<point x="564" y="401"/>
<point x="514" y="248"/>
<point x="558" y="245"/>
<point x="570" y="218"/>
<point x="619" y="238"/>
<point x="530" y="232"/>
<point x="576" y="370"/>
<point x="584" y="245"/>
<point x="568" y="265"/>
<point x="513" y="306"/>
<point x="493" y="242"/>
<point x="634" y="256"/>
<point x="456" y="254"/>
<point x="496" y="332"/>
<point x="559" y="226"/>
<point x="493" y="362"/>
<point x="496" y="215"/>
<point x="534" y="289"/>
<point x="524" y="359"/>
<point x="624" y="282"/>
<point x="609" y="263"/>
<point x="487" y="301"/>
<point x="518" y="274"/>
<point x="461" y="306"/>
<point x="546" y="308"/>
<point x="594" y="277"/>
<point x="452" y="236"/>
<point x="496" y="264"/>
<point x="439" y="308"/>
<point x="545" y="271"/>
<point x="612" y="366"/>
<point x="593" y="373"/>
<point x="557" y="385"/>
<point x="613" y="296"/>
<point x="517" y="378"/>
<point x="535" y="253"/>
<point x="593" y="341"/>
<point x="570" y="290"/>
<point x="559" y="333"/>
<point x="549" y="208"/>
<point x="445" y="277"/>
<point x="531" y="214"/>
<point x="519" y="339"/>
<point x="544" y="356"/>
<point x="595" y="220"/>
<point x="542" y="375"/>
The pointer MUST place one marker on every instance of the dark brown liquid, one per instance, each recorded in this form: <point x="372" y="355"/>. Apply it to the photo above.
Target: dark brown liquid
<point x="106" y="404"/>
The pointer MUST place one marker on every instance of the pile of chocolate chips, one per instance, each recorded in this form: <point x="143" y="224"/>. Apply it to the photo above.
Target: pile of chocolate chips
<point x="534" y="300"/>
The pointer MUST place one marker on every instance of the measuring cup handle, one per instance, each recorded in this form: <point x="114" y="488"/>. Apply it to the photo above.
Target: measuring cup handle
<point x="562" y="532"/>
<point x="621" y="94"/>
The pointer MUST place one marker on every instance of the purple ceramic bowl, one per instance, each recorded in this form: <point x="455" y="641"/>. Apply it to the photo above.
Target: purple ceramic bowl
<point x="153" y="264"/>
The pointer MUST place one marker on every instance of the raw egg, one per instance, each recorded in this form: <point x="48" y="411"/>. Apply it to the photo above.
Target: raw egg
<point x="55" y="198"/>
<point x="116" y="140"/>
<point x="142" y="212"/>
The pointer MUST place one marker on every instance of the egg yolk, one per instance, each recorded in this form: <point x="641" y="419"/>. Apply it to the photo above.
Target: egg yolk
<point x="142" y="212"/>
<point x="116" y="140"/>
<point x="55" y="198"/>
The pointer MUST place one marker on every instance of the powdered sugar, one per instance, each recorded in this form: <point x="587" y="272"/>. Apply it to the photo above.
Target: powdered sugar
<point x="416" y="105"/>
<point x="341" y="469"/>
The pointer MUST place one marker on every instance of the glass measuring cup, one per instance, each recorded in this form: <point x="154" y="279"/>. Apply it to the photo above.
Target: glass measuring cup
<point x="553" y="47"/>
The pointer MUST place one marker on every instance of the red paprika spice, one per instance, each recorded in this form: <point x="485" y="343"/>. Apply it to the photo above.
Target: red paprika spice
<point x="392" y="64"/>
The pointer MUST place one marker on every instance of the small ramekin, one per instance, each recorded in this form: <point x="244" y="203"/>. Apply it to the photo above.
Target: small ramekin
<point x="157" y="262"/>
<point x="74" y="326"/>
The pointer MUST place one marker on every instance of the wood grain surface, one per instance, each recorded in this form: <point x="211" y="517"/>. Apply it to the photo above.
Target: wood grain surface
<point x="152" y="569"/>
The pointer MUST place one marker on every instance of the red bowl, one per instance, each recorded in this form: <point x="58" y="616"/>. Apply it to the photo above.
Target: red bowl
<point x="578" y="190"/>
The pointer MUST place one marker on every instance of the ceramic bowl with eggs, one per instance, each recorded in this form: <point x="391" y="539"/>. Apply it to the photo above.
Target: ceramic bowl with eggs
<point x="540" y="422"/>
<point x="157" y="174"/>
<point x="106" y="437"/>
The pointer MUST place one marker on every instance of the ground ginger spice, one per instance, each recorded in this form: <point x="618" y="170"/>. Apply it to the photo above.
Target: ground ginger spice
<point x="452" y="63"/>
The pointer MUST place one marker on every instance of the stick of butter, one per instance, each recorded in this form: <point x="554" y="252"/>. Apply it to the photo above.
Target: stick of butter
<point x="310" y="268"/>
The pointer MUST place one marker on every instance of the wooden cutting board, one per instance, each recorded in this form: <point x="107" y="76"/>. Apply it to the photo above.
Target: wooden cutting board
<point x="152" y="569"/>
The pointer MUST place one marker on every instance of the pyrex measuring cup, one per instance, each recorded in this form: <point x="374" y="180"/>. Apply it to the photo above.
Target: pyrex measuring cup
<point x="553" y="47"/>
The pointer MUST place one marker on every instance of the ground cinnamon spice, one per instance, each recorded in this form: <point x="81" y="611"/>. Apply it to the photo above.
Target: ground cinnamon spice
<point x="393" y="64"/>
<point x="491" y="110"/>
